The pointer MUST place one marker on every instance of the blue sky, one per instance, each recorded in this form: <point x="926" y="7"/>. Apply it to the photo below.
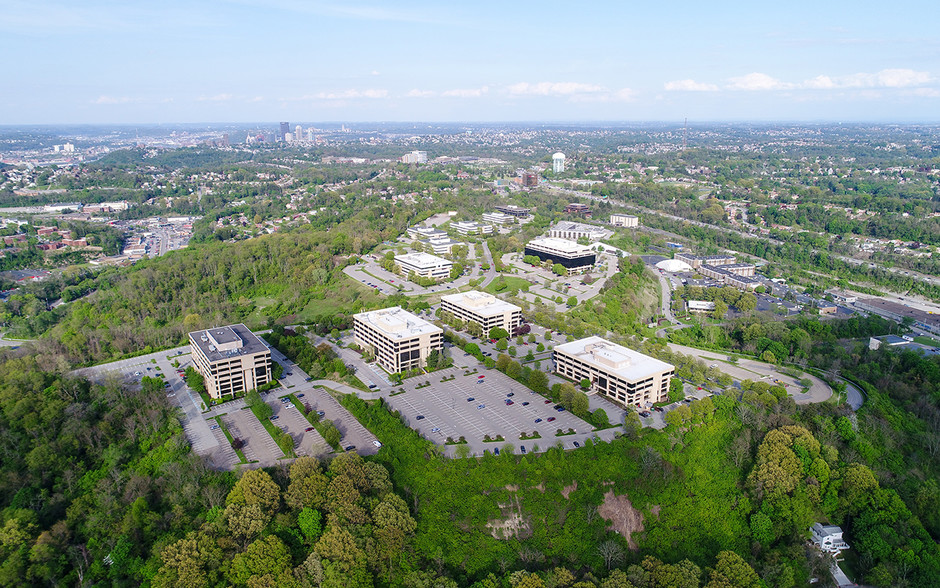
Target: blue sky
<point x="96" y="61"/>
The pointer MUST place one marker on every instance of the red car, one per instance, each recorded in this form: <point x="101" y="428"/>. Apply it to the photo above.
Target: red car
<point x="548" y="402"/>
<point x="308" y="429"/>
<point x="480" y="377"/>
<point x="550" y="419"/>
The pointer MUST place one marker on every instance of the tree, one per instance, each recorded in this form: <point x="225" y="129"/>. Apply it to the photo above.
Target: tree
<point x="512" y="350"/>
<point x="538" y="381"/>
<point x="611" y="552"/>
<point x="572" y="301"/>
<point x="256" y="487"/>
<point x="501" y="345"/>
<point x="585" y="383"/>
<point x="731" y="571"/>
<point x="559" y="270"/>
<point x="599" y="418"/>
<point x="498" y="333"/>
<point x="309" y="522"/>
<point x="264" y="556"/>
<point x="676" y="390"/>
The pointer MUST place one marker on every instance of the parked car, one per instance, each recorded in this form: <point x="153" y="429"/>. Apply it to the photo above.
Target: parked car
<point x="350" y="447"/>
<point x="471" y="399"/>
<point x="522" y="448"/>
<point x="436" y="430"/>
<point x="538" y="420"/>
<point x="479" y="406"/>
<point x="308" y="429"/>
<point x="320" y="413"/>
<point x="275" y="417"/>
<point x="420" y="417"/>
<point x="550" y="419"/>
<point x="525" y="404"/>
<point x="511" y="394"/>
<point x="496" y="451"/>
<point x="377" y="443"/>
<point x="576" y="444"/>
<point x="301" y="395"/>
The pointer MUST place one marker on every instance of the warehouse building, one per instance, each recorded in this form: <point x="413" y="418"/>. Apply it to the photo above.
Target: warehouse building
<point x="621" y="374"/>
<point x="400" y="340"/>
<point x="231" y="359"/>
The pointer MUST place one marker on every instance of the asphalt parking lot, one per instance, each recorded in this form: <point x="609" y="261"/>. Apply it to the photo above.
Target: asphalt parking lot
<point x="352" y="430"/>
<point x="296" y="425"/>
<point x="259" y="445"/>
<point x="447" y="411"/>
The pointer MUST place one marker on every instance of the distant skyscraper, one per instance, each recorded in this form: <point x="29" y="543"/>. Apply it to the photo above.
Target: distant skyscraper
<point x="298" y="133"/>
<point x="285" y="128"/>
<point x="558" y="163"/>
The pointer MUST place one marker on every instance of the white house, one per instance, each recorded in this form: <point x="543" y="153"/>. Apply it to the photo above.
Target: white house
<point x="828" y="538"/>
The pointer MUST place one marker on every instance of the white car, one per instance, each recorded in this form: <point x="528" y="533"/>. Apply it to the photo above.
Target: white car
<point x="377" y="443"/>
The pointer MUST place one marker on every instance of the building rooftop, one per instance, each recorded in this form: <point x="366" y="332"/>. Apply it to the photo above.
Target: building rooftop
<point x="561" y="245"/>
<point x="421" y="259"/>
<point x="573" y="226"/>
<point x="221" y="343"/>
<point x="615" y="359"/>
<point x="396" y="323"/>
<point x="481" y="303"/>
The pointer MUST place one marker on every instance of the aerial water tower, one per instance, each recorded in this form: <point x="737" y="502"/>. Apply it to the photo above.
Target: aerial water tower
<point x="558" y="163"/>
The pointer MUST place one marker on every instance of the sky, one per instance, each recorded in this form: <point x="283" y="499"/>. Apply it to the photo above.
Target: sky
<point x="114" y="61"/>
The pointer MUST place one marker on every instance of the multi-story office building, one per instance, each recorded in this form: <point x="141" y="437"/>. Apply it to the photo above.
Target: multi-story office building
<point x="530" y="179"/>
<point x="575" y="258"/>
<point x="471" y="228"/>
<point x="624" y="375"/>
<point x="439" y="245"/>
<point x="400" y="340"/>
<point x="513" y="210"/>
<point x="575" y="231"/>
<point x="696" y="261"/>
<point x="624" y="220"/>
<point x="415" y="157"/>
<point x="231" y="360"/>
<point x="419" y="232"/>
<point x="577" y="208"/>
<point x="285" y="128"/>
<point x="498" y="218"/>
<point x="484" y="309"/>
<point x="424" y="265"/>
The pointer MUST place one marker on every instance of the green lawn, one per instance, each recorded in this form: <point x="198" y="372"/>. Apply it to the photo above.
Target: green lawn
<point x="927" y="341"/>
<point x="512" y="283"/>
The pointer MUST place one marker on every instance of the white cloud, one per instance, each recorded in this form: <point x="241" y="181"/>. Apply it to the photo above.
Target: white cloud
<point x="886" y="78"/>
<point x="257" y="99"/>
<point x="926" y="92"/>
<point x="349" y="94"/>
<point x="416" y="93"/>
<point x="375" y="72"/>
<point x="757" y="82"/>
<point x="216" y="98"/>
<point x="465" y="92"/>
<point x="689" y="86"/>
<point x="553" y="89"/>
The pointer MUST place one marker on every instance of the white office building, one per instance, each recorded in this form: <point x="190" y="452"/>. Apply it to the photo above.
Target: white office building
<point x="621" y="374"/>
<point x="498" y="218"/>
<point x="424" y="265"/>
<point x="415" y="157"/>
<point x="471" y="228"/>
<point x="574" y="231"/>
<point x="400" y="340"/>
<point x="231" y="360"/>
<point x="624" y="220"/>
<point x="484" y="309"/>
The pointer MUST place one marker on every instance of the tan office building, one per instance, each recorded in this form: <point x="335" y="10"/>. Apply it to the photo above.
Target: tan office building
<point x="484" y="309"/>
<point x="231" y="359"/>
<point x="621" y="374"/>
<point x="400" y="340"/>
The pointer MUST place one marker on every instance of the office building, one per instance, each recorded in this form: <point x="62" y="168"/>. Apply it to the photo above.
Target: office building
<point x="484" y="309"/>
<point x="415" y="157"/>
<point x="621" y="374"/>
<point x="231" y="359"/>
<point x="573" y="257"/>
<point x="400" y="340"/>
<point x="624" y="220"/>
<point x="558" y="163"/>
<point x="575" y="231"/>
<point x="498" y="218"/>
<point x="530" y="179"/>
<point x="577" y="208"/>
<point x="471" y="228"/>
<point x="696" y="261"/>
<point x="285" y="128"/>
<point x="419" y="232"/>
<point x="439" y="245"/>
<point x="424" y="265"/>
<point x="298" y="133"/>
<point x="513" y="210"/>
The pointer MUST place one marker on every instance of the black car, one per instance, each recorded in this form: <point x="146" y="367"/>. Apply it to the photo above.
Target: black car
<point x="419" y="417"/>
<point x="522" y="447"/>
<point x="349" y="447"/>
<point x="576" y="444"/>
<point x="471" y="399"/>
<point x="496" y="451"/>
<point x="511" y="394"/>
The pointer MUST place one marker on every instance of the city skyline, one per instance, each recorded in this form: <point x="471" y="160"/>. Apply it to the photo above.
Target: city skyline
<point x="244" y="60"/>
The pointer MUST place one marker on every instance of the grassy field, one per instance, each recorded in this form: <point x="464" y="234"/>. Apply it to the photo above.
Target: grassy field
<point x="927" y="341"/>
<point x="511" y="284"/>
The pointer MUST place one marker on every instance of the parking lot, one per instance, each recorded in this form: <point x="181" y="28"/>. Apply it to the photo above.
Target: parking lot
<point x="259" y="445"/>
<point x="474" y="405"/>
<point x="296" y="425"/>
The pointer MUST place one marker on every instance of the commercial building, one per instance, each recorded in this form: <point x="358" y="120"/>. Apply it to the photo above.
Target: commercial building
<point x="439" y="245"/>
<point x="419" y="232"/>
<point x="513" y="210"/>
<point x="285" y="128"/>
<point x="484" y="309"/>
<point x="498" y="218"/>
<point x="424" y="265"/>
<point x="472" y="228"/>
<point x="400" y="340"/>
<point x="696" y="261"/>
<point x="575" y="231"/>
<point x="577" y="208"/>
<point x="558" y="163"/>
<point x="530" y="179"/>
<point x="926" y="321"/>
<point x="415" y="157"/>
<point x="621" y="374"/>
<point x="231" y="359"/>
<point x="573" y="257"/>
<point x="624" y="220"/>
